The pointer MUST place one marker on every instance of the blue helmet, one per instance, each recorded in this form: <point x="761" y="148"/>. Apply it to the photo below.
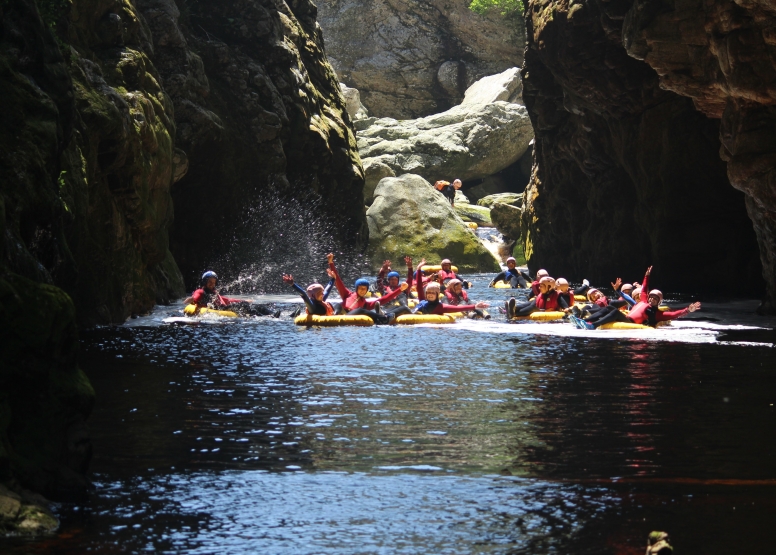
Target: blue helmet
<point x="362" y="281"/>
<point x="393" y="274"/>
<point x="209" y="274"/>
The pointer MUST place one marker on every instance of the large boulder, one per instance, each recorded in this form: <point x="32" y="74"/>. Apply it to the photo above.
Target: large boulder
<point x="470" y="141"/>
<point x="356" y="110"/>
<point x="412" y="58"/>
<point x="473" y="213"/>
<point x="514" y="199"/>
<point x="409" y="217"/>
<point x="506" y="86"/>
<point x="506" y="218"/>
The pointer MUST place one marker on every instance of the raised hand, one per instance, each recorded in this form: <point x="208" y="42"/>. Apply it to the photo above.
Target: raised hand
<point x="616" y="284"/>
<point x="649" y="270"/>
<point x="331" y="273"/>
<point x="422" y="262"/>
<point x="408" y="261"/>
<point x="386" y="264"/>
<point x="288" y="279"/>
<point x="694" y="306"/>
<point x="330" y="257"/>
<point x="404" y="286"/>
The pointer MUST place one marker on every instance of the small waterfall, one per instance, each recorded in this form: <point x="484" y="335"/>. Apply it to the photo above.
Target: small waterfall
<point x="492" y="240"/>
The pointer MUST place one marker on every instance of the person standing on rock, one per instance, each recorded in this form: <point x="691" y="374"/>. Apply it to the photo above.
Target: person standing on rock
<point x="208" y="297"/>
<point x="447" y="190"/>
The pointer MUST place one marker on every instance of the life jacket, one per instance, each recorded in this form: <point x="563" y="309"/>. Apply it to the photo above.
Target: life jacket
<point x="210" y="300"/>
<point x="548" y="301"/>
<point x="327" y="306"/>
<point x="456" y="299"/>
<point x="569" y="296"/>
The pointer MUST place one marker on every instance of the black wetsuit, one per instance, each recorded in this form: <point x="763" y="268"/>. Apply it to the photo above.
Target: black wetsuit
<point x="515" y="278"/>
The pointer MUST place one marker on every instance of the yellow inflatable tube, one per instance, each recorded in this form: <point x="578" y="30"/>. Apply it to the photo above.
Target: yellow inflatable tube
<point x="409" y="319"/>
<point x="502" y="285"/>
<point x="437" y="268"/>
<point x="190" y="308"/>
<point x="622" y="326"/>
<point x="542" y="316"/>
<point x="342" y="320"/>
<point x="580" y="298"/>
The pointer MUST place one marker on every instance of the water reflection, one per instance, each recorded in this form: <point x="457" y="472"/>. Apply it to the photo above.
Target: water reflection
<point x="259" y="437"/>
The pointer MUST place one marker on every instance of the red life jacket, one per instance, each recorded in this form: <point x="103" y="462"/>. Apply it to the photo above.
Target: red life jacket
<point x="456" y="299"/>
<point x="548" y="303"/>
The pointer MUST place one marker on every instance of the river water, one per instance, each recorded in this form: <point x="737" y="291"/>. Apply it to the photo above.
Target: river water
<point x="255" y="436"/>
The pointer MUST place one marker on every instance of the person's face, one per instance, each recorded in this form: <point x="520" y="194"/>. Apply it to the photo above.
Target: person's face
<point x="595" y="296"/>
<point x="457" y="288"/>
<point x="511" y="265"/>
<point x="446" y="267"/>
<point x="543" y="288"/>
<point x="457" y="184"/>
<point x="654" y="300"/>
<point x="563" y="288"/>
<point x="361" y="290"/>
<point x="318" y="294"/>
<point x="393" y="282"/>
<point x="432" y="295"/>
<point x="627" y="291"/>
<point x="210" y="284"/>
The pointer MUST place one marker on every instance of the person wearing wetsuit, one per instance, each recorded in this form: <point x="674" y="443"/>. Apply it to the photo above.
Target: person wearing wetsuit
<point x="447" y="273"/>
<point x="456" y="296"/>
<point x="515" y="277"/>
<point x="388" y="281"/>
<point x="208" y="297"/>
<point x="429" y="300"/>
<point x="355" y="302"/>
<point x="535" y="284"/>
<point x="565" y="295"/>
<point x="545" y="301"/>
<point x="315" y="296"/>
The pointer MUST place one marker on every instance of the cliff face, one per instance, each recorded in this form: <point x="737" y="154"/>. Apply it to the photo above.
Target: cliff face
<point x="626" y="174"/>
<point x="722" y="55"/>
<point x="94" y="93"/>
<point x="412" y="58"/>
<point x="259" y="112"/>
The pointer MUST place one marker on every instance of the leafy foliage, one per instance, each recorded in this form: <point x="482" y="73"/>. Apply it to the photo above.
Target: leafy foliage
<point x="506" y="7"/>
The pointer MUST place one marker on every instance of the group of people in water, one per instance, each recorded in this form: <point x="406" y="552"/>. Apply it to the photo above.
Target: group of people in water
<point x="635" y="303"/>
<point x="444" y="292"/>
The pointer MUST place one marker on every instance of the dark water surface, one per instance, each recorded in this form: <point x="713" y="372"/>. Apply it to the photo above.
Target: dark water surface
<point x="260" y="437"/>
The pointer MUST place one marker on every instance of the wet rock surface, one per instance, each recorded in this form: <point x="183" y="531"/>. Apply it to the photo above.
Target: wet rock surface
<point x="626" y="174"/>
<point x="105" y="107"/>
<point x="409" y="217"/>
<point x="25" y="514"/>
<point x="721" y="55"/>
<point x="260" y="113"/>
<point x="412" y="58"/>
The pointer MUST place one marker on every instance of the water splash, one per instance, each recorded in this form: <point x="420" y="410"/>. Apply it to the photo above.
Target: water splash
<point x="284" y="235"/>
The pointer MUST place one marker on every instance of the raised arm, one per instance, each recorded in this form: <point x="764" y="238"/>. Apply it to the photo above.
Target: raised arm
<point x="288" y="279"/>
<point x="393" y="294"/>
<point x="343" y="291"/>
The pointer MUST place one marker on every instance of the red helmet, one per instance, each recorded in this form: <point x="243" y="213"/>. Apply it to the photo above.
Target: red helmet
<point x="313" y="288"/>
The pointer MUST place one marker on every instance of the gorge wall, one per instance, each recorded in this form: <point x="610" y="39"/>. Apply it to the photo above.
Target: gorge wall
<point x="412" y="58"/>
<point x="113" y="111"/>
<point x="629" y="174"/>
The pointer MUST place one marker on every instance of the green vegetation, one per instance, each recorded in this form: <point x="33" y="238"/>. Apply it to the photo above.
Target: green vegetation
<point x="506" y="7"/>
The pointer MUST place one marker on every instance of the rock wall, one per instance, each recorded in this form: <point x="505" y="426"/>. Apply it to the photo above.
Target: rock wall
<point x="626" y="174"/>
<point x="722" y="55"/>
<point x="98" y="99"/>
<point x="259" y="112"/>
<point x="413" y="58"/>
